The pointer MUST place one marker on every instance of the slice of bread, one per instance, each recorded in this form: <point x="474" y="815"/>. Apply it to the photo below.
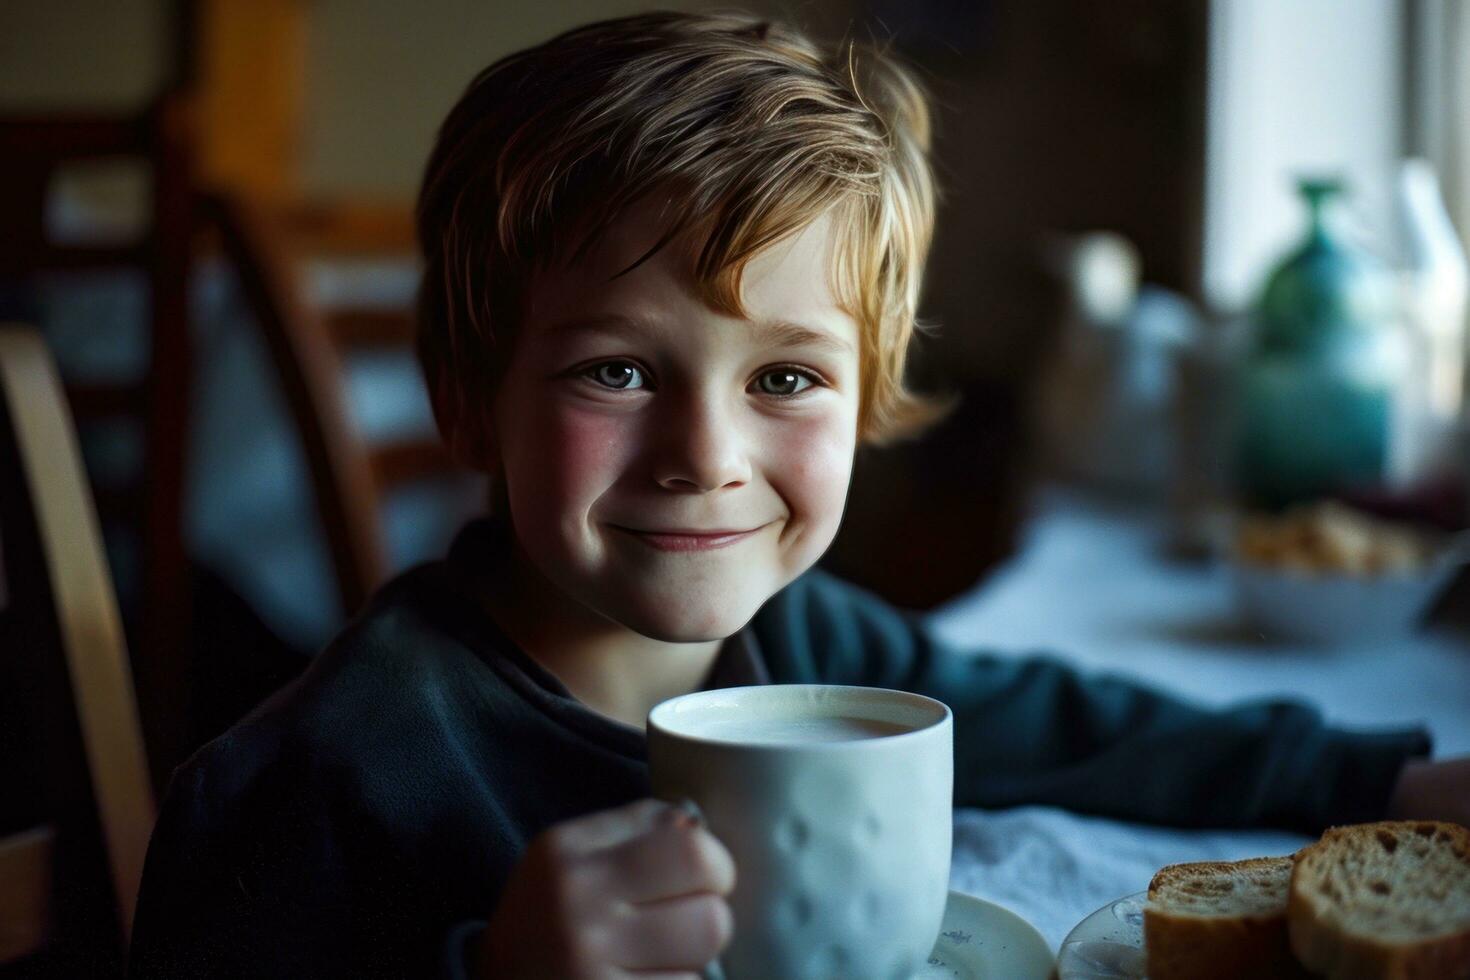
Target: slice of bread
<point x="1219" y="919"/>
<point x="1384" y="901"/>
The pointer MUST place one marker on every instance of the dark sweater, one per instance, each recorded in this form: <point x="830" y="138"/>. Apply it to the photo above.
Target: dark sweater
<point x="351" y="821"/>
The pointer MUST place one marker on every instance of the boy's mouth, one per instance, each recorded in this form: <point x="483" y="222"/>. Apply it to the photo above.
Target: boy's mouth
<point x="687" y="539"/>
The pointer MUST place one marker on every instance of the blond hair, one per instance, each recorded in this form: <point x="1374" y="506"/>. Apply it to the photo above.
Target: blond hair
<point x="755" y="129"/>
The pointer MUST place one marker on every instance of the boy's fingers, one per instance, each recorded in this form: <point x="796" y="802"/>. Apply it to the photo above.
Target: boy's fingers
<point x="672" y="859"/>
<point x="679" y="934"/>
<point x="609" y="828"/>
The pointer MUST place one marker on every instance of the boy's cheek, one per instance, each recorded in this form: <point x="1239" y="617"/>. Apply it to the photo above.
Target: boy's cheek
<point x="817" y="457"/>
<point x="577" y="454"/>
<point x="811" y="473"/>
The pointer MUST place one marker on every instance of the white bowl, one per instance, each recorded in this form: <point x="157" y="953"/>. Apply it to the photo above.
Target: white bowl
<point x="1340" y="609"/>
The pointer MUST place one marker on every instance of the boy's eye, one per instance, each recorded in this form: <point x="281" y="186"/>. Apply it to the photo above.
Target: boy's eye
<point x="784" y="382"/>
<point x="618" y="375"/>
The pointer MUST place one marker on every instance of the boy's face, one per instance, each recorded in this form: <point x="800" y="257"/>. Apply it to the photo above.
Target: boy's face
<point x="629" y="407"/>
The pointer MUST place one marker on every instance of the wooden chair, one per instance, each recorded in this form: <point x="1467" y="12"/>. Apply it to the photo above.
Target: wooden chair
<point x="76" y="804"/>
<point x="311" y="345"/>
<point x="250" y="74"/>
<point x="36" y="152"/>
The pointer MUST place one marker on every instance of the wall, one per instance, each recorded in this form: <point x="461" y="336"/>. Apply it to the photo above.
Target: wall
<point x="94" y="53"/>
<point x="1307" y="86"/>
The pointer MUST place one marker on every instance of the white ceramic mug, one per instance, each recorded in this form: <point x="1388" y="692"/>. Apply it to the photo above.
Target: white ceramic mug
<point x="836" y="803"/>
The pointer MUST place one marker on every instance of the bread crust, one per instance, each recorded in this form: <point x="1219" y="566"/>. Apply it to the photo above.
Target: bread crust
<point x="1187" y="946"/>
<point x="1340" y="954"/>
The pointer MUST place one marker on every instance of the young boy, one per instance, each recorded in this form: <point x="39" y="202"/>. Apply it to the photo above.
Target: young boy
<point x="672" y="264"/>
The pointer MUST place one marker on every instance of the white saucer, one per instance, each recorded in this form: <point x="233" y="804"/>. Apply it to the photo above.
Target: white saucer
<point x="980" y="940"/>
<point x="1107" y="945"/>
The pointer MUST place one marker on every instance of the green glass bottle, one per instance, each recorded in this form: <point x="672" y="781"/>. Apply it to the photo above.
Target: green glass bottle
<point x="1323" y="368"/>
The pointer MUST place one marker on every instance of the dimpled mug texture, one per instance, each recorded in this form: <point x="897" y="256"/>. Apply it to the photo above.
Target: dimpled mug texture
<point x="836" y="803"/>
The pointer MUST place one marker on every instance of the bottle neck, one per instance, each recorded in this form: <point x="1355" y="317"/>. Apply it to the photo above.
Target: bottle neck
<point x="1322" y="208"/>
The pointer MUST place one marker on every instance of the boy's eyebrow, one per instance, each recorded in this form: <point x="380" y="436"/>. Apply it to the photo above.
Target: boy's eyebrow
<point x="773" y="332"/>
<point x="786" y="333"/>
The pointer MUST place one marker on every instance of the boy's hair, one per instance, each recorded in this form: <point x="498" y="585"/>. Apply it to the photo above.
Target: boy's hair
<point x="753" y="131"/>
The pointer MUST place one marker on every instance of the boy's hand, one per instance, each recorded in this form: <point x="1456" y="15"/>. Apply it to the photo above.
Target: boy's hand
<point x="638" y="888"/>
<point x="1433" y="791"/>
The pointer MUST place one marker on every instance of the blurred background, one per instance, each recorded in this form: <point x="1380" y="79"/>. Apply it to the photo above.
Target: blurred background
<point x="1195" y="260"/>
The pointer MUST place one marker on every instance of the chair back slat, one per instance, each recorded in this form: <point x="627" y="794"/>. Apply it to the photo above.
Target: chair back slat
<point x="26" y="871"/>
<point x="89" y="626"/>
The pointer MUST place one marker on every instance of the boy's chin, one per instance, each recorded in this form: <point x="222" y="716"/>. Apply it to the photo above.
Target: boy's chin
<point x="686" y="622"/>
<point x="674" y="629"/>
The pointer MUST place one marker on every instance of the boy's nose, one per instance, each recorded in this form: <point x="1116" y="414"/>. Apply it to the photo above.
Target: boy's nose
<point x="701" y="449"/>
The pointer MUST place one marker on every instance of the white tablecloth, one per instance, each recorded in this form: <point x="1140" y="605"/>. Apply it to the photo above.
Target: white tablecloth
<point x="1089" y="584"/>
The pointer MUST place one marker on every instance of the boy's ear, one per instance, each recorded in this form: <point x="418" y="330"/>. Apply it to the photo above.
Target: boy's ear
<point x="469" y="437"/>
<point x="472" y="445"/>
